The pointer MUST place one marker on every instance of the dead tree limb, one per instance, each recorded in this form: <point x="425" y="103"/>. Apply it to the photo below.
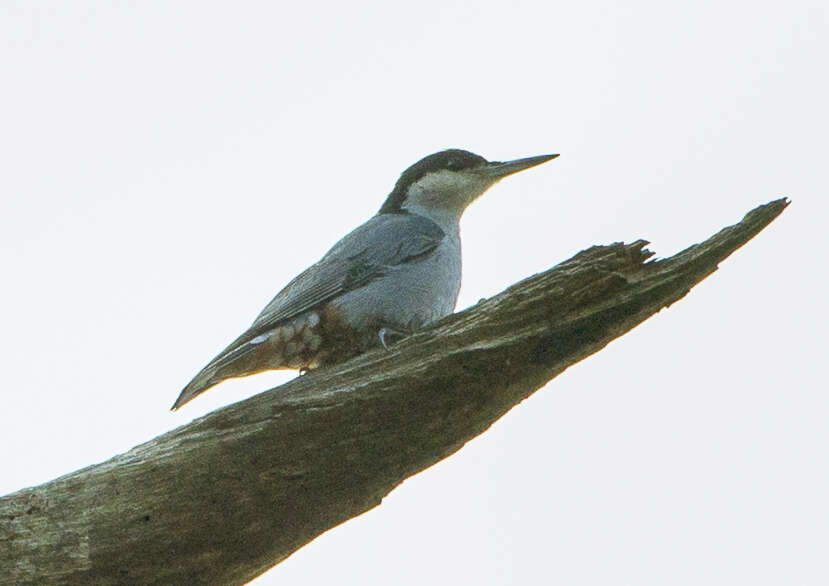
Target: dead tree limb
<point x="221" y="500"/>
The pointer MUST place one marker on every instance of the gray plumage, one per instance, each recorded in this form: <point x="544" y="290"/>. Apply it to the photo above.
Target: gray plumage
<point x="399" y="246"/>
<point x="397" y="272"/>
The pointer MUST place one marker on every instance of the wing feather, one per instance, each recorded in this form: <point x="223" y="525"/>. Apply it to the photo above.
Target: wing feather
<point x="382" y="244"/>
<point x="369" y="252"/>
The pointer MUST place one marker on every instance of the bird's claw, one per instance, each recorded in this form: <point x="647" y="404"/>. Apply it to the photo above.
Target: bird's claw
<point x="385" y="333"/>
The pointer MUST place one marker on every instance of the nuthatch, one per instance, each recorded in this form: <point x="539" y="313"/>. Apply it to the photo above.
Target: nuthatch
<point x="398" y="272"/>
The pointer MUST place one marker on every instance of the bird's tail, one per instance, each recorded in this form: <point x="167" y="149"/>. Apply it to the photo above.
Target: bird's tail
<point x="207" y="378"/>
<point x="236" y="360"/>
<point x="293" y="344"/>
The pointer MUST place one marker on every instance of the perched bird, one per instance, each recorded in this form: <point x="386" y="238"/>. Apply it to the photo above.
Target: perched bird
<point x="398" y="272"/>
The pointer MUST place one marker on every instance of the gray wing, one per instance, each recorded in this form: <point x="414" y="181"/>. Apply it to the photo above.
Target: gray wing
<point x="384" y="242"/>
<point x="369" y="252"/>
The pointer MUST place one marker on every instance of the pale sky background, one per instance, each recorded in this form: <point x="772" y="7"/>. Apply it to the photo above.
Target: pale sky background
<point x="166" y="167"/>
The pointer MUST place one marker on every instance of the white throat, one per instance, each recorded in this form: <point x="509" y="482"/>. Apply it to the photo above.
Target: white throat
<point x="444" y="195"/>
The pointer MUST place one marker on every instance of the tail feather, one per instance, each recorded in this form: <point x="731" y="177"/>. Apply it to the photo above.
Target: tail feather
<point x="230" y="363"/>
<point x="200" y="383"/>
<point x="289" y="345"/>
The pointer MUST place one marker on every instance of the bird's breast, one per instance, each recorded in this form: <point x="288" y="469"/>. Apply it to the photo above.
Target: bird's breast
<point x="408" y="297"/>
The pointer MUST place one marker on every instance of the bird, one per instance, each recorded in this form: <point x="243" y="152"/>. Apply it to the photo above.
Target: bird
<point x="396" y="273"/>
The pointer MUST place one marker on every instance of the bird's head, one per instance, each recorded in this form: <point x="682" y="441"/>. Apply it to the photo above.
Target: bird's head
<point x="445" y="183"/>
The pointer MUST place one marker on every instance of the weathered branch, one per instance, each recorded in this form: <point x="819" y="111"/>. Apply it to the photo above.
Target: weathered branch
<point x="226" y="497"/>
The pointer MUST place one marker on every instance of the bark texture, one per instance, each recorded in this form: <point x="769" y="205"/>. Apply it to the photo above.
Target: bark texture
<point x="224" y="498"/>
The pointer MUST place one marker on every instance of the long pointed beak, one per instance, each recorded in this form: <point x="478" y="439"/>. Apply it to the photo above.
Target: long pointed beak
<point x="500" y="170"/>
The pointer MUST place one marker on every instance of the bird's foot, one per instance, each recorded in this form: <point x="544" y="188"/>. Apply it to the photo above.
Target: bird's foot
<point x="389" y="336"/>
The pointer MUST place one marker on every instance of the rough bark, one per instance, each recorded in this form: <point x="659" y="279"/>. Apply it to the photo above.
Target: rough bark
<point x="224" y="498"/>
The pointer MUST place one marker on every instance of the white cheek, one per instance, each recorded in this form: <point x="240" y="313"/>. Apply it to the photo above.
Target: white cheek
<point x="447" y="191"/>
